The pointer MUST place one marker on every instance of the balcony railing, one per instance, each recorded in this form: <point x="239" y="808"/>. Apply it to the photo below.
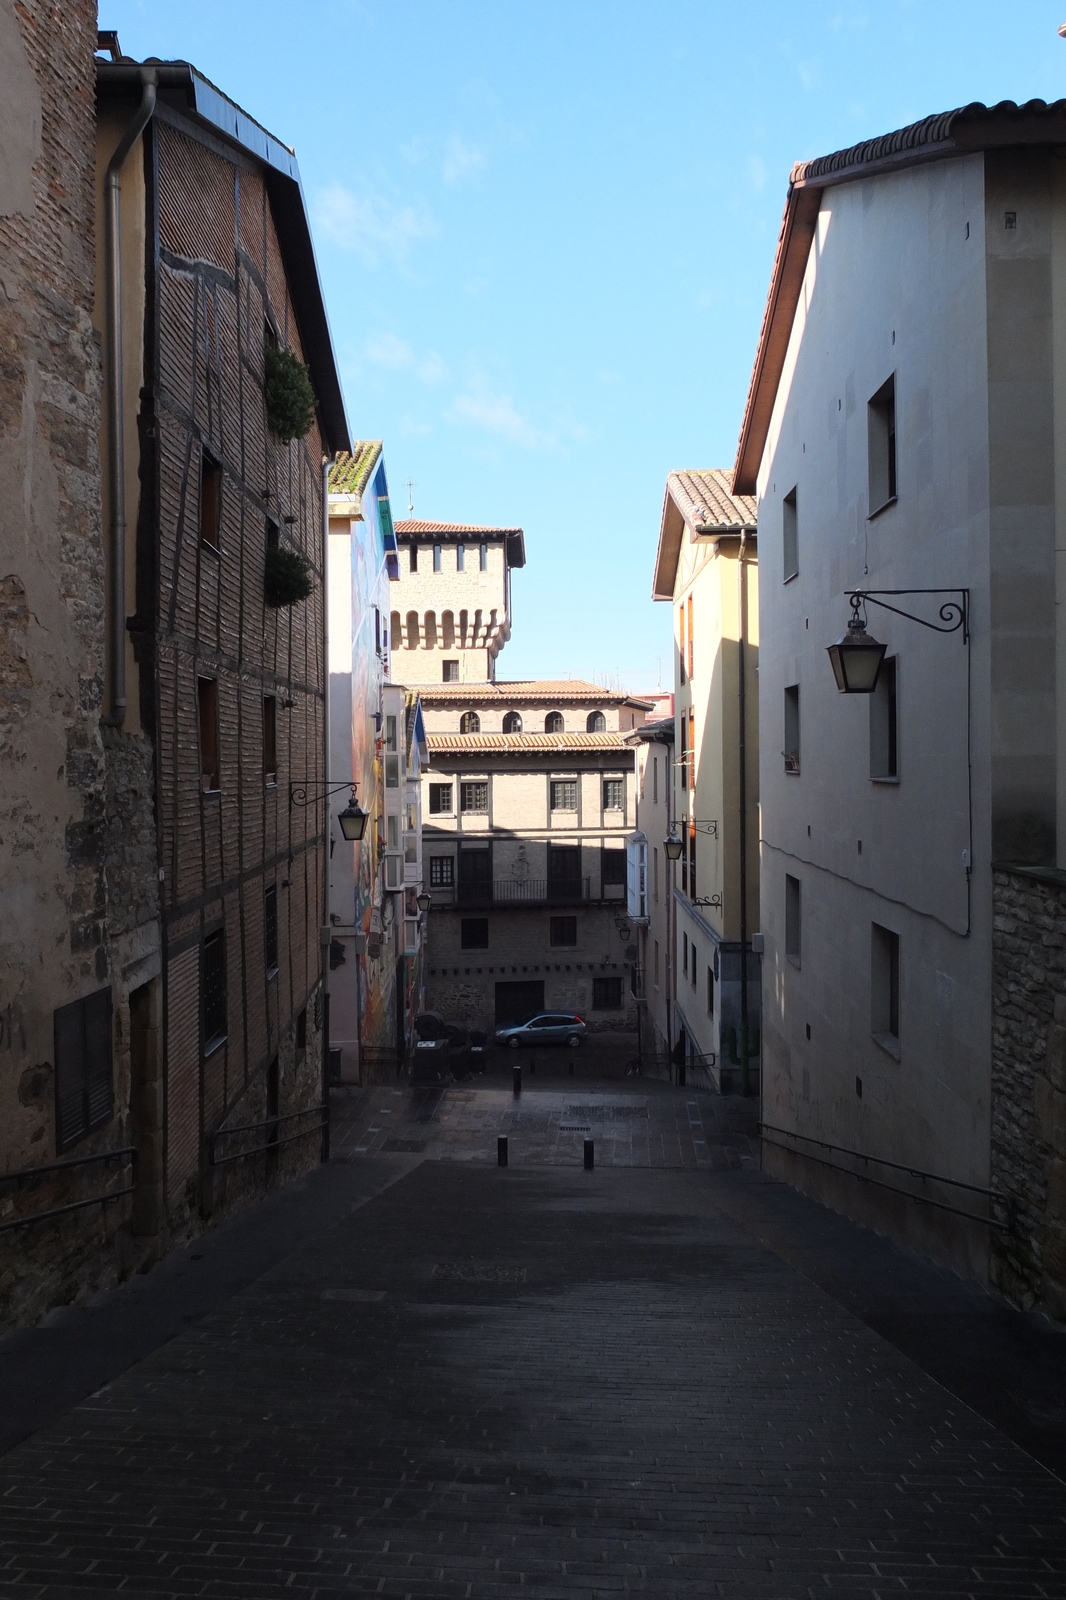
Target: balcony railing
<point x="531" y="892"/>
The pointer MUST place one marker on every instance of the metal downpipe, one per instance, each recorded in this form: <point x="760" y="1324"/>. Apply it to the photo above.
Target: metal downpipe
<point x="116" y="465"/>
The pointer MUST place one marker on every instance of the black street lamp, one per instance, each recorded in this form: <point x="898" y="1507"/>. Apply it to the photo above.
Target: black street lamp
<point x="856" y="657"/>
<point x="423" y="901"/>
<point x="673" y="846"/>
<point x="352" y="819"/>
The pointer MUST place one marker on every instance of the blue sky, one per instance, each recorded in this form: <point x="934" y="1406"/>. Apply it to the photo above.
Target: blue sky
<point x="546" y="231"/>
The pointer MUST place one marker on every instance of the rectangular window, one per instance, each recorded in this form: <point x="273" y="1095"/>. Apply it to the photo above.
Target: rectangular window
<point x="681" y="639"/>
<point x="606" y="994"/>
<point x="710" y="991"/>
<point x="377" y="630"/>
<point x="881" y="436"/>
<point x="440" y="799"/>
<point x="460" y="558"/>
<point x="270" y="738"/>
<point x="612" y="867"/>
<point x="207" y="712"/>
<point x="451" y="672"/>
<point x="655" y="871"/>
<point x="793" y="919"/>
<point x="301" y="1030"/>
<point x="563" y="931"/>
<point x="564" y="794"/>
<point x="412" y="565"/>
<point x="390" y="733"/>
<point x="884" y="987"/>
<point x="692" y="747"/>
<point x="213" y="988"/>
<point x="691" y="641"/>
<point x="692" y="862"/>
<point x="82" y="1044"/>
<point x="441" y="872"/>
<point x="791" y="751"/>
<point x="656" y="963"/>
<point x="790" y="530"/>
<point x="655" y="779"/>
<point x="210" y="500"/>
<point x="684" y="751"/>
<point x="684" y="954"/>
<point x="695" y="965"/>
<point x="474" y="933"/>
<point x="270" y="930"/>
<point x="484" y="558"/>
<point x="614" y="794"/>
<point x="436" y="558"/>
<point x="474" y="797"/>
<point x="884" y="762"/>
<point x="392" y="833"/>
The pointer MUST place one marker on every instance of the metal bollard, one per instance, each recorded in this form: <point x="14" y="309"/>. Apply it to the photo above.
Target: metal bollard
<point x="501" y="1150"/>
<point x="516" y="1081"/>
<point x="590" y="1155"/>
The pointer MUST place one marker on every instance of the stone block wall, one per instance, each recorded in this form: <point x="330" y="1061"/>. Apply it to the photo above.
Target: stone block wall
<point x="1029" y="1085"/>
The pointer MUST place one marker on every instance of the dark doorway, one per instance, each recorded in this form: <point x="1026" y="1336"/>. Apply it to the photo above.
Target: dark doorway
<point x="564" y="872"/>
<point x="475" y="877"/>
<point x="516" y="1002"/>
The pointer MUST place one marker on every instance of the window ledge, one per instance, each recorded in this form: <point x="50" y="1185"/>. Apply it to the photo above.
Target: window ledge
<point x="883" y="507"/>
<point x="893" y="781"/>
<point x="791" y="576"/>
<point x="271" y="780"/>
<point x="795" y="960"/>
<point x="272" y="973"/>
<point x="214" y="1045"/>
<point x="211" y="794"/>
<point x="889" y="1043"/>
<point x="216" y="550"/>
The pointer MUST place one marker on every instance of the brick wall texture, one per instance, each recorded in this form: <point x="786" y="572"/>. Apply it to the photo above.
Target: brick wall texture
<point x="1029" y="1086"/>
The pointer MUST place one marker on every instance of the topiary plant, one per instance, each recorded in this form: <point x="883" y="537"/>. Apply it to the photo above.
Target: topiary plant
<point x="287" y="578"/>
<point x="290" y="399"/>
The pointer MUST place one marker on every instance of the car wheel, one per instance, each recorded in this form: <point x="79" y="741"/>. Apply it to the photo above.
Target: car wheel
<point x="573" y="1041"/>
<point x="512" y="1044"/>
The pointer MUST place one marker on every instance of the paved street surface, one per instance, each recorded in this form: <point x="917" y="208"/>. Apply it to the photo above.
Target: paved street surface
<point x="417" y="1374"/>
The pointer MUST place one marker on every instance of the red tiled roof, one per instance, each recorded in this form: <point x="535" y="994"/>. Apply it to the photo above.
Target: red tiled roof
<point x="415" y="528"/>
<point x="529" y="692"/>
<point x="464" y="744"/>
<point x="415" y="525"/>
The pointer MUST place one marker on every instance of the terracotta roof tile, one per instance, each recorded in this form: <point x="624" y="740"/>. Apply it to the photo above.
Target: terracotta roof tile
<point x="528" y="692"/>
<point x="350" y="473"/>
<point x="465" y="744"/>
<point x="705" y="498"/>
<point x="415" y="525"/>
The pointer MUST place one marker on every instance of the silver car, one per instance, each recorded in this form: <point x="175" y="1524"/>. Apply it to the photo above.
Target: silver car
<point x="547" y="1027"/>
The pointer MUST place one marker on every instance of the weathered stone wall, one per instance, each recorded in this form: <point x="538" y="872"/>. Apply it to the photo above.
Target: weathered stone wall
<point x="1029" y="1084"/>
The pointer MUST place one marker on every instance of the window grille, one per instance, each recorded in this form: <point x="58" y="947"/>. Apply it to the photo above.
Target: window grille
<point x="470" y="722"/>
<point x="440" y="799"/>
<point x="614" y="794"/>
<point x="564" y="794"/>
<point x="83" y="1091"/>
<point x="441" y="872"/>
<point x="606" y="994"/>
<point x="553" y="722"/>
<point x="474" y="797"/>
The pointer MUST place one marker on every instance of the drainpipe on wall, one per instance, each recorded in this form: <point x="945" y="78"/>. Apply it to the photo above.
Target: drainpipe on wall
<point x="326" y="933"/>
<point x="116" y="466"/>
<point x="742" y="607"/>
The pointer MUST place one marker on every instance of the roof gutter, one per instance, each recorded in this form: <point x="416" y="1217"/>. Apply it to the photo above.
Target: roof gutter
<point x="116" y="463"/>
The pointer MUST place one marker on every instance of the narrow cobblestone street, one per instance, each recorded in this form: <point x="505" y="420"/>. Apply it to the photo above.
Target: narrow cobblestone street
<point x="417" y="1374"/>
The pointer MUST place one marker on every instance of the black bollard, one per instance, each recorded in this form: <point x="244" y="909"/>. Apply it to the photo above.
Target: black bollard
<point x="501" y="1150"/>
<point x="516" y="1081"/>
<point x="590" y="1156"/>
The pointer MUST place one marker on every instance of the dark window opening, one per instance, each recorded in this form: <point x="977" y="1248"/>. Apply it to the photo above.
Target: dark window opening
<point x="512" y="722"/>
<point x="484" y="558"/>
<point x="440" y="799"/>
<point x="554" y="723"/>
<point x="790" y="528"/>
<point x="881" y="437"/>
<point x="884" y="987"/>
<point x="474" y="797"/>
<point x="451" y="672"/>
<point x="413" y="564"/>
<point x="469" y="722"/>
<point x="563" y="931"/>
<point x="460" y="558"/>
<point x="884" y="754"/>
<point x="83" y="1089"/>
<point x="207" y="709"/>
<point x="474" y="933"/>
<point x="301" y="1030"/>
<point x="791" y="751"/>
<point x="213" y="988"/>
<point x="270" y="738"/>
<point x="441" y="872"/>
<point x="436" y="558"/>
<point x="563" y="794"/>
<point x="270" y="929"/>
<point x="596" y="722"/>
<point x="793" y="919"/>
<point x="710" y="991"/>
<point x="606" y="994"/>
<point x="612" y="867"/>
<point x="210" y="500"/>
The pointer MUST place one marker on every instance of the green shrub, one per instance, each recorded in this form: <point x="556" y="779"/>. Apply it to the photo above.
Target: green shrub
<point x="290" y="399"/>
<point x="288" y="577"/>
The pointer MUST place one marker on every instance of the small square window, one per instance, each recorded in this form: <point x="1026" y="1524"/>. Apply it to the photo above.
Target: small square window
<point x="451" y="671"/>
<point x="614" y="794"/>
<point x="793" y="916"/>
<point x="440" y="799"/>
<point x="474" y="933"/>
<point x="563" y="931"/>
<point x="474" y="797"/>
<point x="441" y="872"/>
<point x="563" y="794"/>
<point x="606" y="994"/>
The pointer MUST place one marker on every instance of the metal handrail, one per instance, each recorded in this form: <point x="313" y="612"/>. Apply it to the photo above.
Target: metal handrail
<point x="997" y="1196"/>
<point x="73" y="1205"/>
<point x="272" y="1144"/>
